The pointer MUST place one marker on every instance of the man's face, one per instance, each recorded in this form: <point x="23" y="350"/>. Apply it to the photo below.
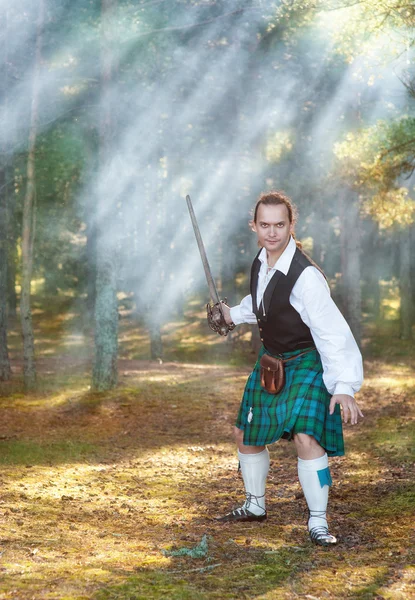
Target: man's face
<point x="273" y="228"/>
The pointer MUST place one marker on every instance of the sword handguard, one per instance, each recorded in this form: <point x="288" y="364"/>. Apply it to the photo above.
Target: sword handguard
<point x="216" y="319"/>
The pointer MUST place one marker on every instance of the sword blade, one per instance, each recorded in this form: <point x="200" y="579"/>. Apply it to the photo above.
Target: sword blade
<point x="211" y="284"/>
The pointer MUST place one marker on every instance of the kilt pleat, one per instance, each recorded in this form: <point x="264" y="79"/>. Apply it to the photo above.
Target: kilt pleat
<point x="302" y="406"/>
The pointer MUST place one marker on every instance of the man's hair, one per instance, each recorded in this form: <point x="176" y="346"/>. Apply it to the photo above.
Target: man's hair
<point x="274" y="198"/>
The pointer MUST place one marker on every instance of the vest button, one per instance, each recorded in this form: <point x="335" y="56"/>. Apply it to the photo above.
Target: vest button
<point x="262" y="339"/>
<point x="260" y="329"/>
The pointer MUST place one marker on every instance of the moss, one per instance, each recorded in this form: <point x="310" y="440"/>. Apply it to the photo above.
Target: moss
<point x="394" y="436"/>
<point x="400" y="502"/>
<point x="222" y="583"/>
<point x="150" y="586"/>
<point x="38" y="453"/>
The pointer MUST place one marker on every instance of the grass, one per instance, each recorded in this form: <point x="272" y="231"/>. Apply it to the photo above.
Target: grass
<point x="19" y="452"/>
<point x="95" y="488"/>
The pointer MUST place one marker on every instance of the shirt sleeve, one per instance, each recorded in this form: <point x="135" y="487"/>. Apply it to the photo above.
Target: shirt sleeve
<point x="340" y="355"/>
<point x="242" y="313"/>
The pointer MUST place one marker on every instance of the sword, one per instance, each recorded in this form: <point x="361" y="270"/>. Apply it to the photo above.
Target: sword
<point x="216" y="318"/>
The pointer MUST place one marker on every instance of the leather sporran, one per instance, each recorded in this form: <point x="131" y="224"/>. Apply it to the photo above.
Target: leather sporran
<point x="272" y="373"/>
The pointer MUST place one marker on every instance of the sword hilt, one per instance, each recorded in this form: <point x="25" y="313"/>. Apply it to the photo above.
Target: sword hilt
<point x="216" y="319"/>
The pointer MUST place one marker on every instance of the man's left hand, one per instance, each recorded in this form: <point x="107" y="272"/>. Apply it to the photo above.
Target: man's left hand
<point x="349" y="406"/>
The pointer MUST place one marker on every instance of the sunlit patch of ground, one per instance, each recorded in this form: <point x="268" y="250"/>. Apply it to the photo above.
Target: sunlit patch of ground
<point x="94" y="487"/>
<point x="401" y="585"/>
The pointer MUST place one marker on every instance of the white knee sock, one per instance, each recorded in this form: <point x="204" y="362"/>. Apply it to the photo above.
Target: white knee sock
<point x="254" y="469"/>
<point x="315" y="479"/>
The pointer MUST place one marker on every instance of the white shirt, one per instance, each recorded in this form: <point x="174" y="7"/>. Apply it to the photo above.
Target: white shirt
<point x="310" y="296"/>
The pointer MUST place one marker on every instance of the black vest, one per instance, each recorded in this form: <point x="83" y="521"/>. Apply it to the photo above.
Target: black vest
<point x="280" y="326"/>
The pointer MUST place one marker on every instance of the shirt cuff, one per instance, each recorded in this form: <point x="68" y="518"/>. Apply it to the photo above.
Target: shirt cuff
<point x="344" y="388"/>
<point x="236" y="315"/>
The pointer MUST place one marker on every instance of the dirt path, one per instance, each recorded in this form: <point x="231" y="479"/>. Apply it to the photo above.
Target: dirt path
<point x="96" y="486"/>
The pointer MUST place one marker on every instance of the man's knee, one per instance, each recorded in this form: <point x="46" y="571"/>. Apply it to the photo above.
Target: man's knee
<point x="243" y="448"/>
<point x="303" y="440"/>
<point x="238" y="434"/>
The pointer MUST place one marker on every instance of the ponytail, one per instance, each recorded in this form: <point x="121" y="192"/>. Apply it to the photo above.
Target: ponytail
<point x="299" y="244"/>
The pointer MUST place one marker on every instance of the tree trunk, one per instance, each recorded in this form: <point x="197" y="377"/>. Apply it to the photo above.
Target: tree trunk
<point x="156" y="235"/>
<point x="227" y="268"/>
<point x="91" y="168"/>
<point x="13" y="227"/>
<point x="412" y="233"/>
<point x="320" y="234"/>
<point x="12" y="256"/>
<point x="28" y="229"/>
<point x="50" y="288"/>
<point x="105" y="373"/>
<point x="5" y="371"/>
<point x="156" y="342"/>
<point x="91" y="257"/>
<point x="372" y="275"/>
<point x="157" y="221"/>
<point x="350" y="261"/>
<point x="406" y="313"/>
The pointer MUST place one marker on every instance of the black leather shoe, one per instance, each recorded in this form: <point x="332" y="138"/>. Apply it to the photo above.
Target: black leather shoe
<point x="320" y="534"/>
<point x="241" y="515"/>
<point x="322" y="537"/>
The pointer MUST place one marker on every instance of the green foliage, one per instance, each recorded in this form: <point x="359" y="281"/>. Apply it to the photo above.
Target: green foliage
<point x="278" y="144"/>
<point x="284" y="47"/>
<point x="391" y="207"/>
<point x="383" y="28"/>
<point x="59" y="247"/>
<point x="371" y="160"/>
<point x="287" y="21"/>
<point x="356" y="28"/>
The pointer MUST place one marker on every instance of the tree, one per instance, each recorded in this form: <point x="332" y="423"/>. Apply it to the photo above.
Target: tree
<point x="374" y="166"/>
<point x="29" y="216"/>
<point x="407" y="309"/>
<point x="350" y="260"/>
<point x="5" y="371"/>
<point x="105" y="374"/>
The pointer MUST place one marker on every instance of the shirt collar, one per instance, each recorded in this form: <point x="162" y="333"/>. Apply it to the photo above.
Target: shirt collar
<point x="284" y="262"/>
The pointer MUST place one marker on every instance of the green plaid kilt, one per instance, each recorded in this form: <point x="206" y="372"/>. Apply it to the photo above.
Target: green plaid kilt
<point x="302" y="406"/>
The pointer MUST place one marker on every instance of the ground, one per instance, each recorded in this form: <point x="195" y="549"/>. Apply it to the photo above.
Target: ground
<point x="100" y="491"/>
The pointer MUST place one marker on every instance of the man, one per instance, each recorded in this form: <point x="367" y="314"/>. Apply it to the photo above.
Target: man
<point x="290" y="300"/>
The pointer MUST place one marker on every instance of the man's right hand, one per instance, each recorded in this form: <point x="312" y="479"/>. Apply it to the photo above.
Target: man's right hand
<point x="218" y="322"/>
<point x="227" y="313"/>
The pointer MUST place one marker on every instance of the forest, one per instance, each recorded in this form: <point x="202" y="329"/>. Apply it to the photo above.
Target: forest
<point x="117" y="399"/>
